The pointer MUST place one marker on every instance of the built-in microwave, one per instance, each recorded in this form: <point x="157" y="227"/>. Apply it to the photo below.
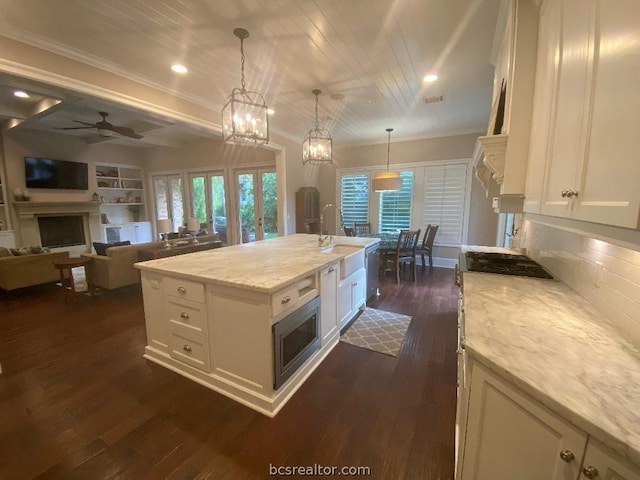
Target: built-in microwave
<point x="295" y="339"/>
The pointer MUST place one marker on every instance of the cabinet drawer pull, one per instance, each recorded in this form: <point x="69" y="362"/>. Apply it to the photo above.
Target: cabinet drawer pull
<point x="331" y="269"/>
<point x="590" y="472"/>
<point x="182" y="290"/>
<point x="184" y="315"/>
<point x="354" y="284"/>
<point x="564" y="193"/>
<point x="187" y="348"/>
<point x="567" y="456"/>
<point x="285" y="299"/>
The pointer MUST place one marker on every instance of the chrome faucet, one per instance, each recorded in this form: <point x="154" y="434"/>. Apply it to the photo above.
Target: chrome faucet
<point x="321" y="239"/>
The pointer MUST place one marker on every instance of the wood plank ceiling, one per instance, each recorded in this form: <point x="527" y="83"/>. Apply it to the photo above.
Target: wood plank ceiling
<point x="367" y="56"/>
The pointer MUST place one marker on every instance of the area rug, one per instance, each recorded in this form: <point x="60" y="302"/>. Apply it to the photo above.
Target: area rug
<point x="379" y="331"/>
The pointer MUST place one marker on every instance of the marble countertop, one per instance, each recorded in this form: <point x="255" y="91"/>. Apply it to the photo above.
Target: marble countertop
<point x="264" y="266"/>
<point x="556" y="346"/>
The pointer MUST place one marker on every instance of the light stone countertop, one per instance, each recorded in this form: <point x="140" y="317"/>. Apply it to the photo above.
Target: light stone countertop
<point x="264" y="266"/>
<point x="557" y="347"/>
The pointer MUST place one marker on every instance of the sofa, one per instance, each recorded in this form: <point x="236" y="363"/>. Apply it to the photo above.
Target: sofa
<point x="28" y="270"/>
<point x="115" y="269"/>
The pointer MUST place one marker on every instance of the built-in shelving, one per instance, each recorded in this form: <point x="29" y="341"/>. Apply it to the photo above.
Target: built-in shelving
<point x="121" y="195"/>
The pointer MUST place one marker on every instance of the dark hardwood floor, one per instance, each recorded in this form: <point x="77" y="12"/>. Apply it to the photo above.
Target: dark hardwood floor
<point x="78" y="401"/>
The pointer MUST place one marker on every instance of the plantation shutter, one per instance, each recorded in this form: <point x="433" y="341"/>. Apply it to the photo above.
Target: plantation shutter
<point x="444" y="201"/>
<point x="354" y="198"/>
<point x="395" y="207"/>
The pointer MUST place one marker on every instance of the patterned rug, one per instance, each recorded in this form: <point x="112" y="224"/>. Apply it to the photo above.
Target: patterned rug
<point x="378" y="330"/>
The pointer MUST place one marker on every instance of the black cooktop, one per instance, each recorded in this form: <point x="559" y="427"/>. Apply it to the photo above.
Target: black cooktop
<point x="504" y="263"/>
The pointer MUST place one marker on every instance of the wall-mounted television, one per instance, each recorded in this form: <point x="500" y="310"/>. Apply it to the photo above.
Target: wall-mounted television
<point x="50" y="173"/>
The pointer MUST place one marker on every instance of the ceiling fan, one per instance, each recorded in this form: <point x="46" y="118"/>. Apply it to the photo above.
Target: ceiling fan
<point x="105" y="128"/>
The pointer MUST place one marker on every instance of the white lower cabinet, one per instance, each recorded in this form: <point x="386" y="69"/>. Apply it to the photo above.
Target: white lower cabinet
<point x="351" y="295"/>
<point x="602" y="464"/>
<point x="510" y="436"/>
<point x="328" y="302"/>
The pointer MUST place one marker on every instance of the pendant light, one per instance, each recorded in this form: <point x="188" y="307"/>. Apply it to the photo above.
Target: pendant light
<point x="387" y="181"/>
<point x="245" y="120"/>
<point x="317" y="145"/>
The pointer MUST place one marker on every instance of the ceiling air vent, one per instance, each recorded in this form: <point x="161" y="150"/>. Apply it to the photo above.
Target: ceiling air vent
<point x="434" y="99"/>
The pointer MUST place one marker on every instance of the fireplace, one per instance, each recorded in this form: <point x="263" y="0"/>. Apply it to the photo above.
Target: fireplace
<point x="61" y="230"/>
<point x="35" y="227"/>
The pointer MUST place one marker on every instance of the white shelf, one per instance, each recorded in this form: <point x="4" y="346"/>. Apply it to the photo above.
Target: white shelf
<point x="119" y="188"/>
<point x="118" y="204"/>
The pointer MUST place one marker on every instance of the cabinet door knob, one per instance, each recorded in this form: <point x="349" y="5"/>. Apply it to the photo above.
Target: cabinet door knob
<point x="573" y="193"/>
<point x="285" y="299"/>
<point x="187" y="348"/>
<point x="567" y="456"/>
<point x="182" y="290"/>
<point x="564" y="193"/>
<point x="184" y="315"/>
<point x="331" y="269"/>
<point x="590" y="472"/>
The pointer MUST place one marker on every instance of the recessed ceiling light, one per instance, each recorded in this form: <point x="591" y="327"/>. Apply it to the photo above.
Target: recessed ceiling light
<point x="21" y="94"/>
<point x="430" y="78"/>
<point x="270" y="111"/>
<point x="176" y="67"/>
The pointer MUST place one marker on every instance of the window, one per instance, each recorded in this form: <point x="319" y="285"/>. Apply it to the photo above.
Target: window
<point x="354" y="194"/>
<point x="445" y="192"/>
<point x="395" y="207"/>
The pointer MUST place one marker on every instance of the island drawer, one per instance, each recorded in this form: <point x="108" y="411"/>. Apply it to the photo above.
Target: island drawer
<point x="284" y="299"/>
<point x="189" y="349"/>
<point x="189" y="316"/>
<point x="177" y="287"/>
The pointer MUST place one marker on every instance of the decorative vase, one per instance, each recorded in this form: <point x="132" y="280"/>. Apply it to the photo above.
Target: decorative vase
<point x="17" y="194"/>
<point x="26" y="196"/>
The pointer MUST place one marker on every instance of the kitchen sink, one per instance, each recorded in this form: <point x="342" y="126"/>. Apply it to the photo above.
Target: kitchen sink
<point x="353" y="257"/>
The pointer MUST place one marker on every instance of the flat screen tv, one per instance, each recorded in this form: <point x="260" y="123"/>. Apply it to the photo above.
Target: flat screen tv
<point x="50" y="173"/>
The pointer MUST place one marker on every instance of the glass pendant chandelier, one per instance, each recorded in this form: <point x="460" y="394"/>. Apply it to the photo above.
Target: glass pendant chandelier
<point x="244" y="116"/>
<point x="387" y="181"/>
<point x="317" y="145"/>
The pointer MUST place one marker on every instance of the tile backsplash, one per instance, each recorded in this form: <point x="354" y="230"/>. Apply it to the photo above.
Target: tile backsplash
<point x="606" y="274"/>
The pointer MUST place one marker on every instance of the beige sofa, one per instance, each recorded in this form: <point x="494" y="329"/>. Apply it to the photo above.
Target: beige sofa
<point x="29" y="270"/>
<point x="116" y="270"/>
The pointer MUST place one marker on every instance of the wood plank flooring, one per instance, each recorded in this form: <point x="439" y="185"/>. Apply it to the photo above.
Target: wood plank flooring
<point x="78" y="401"/>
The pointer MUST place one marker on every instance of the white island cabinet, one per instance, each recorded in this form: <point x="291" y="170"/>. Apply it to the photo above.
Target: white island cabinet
<point x="221" y="317"/>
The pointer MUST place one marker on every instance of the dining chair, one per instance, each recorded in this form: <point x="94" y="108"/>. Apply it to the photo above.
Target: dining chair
<point x="349" y="231"/>
<point x="362" y="228"/>
<point x="405" y="252"/>
<point x="426" y="248"/>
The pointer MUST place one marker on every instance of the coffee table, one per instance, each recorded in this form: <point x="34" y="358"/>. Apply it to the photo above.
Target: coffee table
<point x="162" y="252"/>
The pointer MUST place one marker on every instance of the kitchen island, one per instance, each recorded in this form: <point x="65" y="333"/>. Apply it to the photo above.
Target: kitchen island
<point x="226" y="318"/>
<point x="550" y="389"/>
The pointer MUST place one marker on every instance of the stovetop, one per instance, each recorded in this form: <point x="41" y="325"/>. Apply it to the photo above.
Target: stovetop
<point x="503" y="263"/>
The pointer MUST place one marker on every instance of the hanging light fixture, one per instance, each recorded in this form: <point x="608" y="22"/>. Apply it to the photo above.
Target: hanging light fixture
<point x="244" y="116"/>
<point x="317" y="145"/>
<point x="387" y="181"/>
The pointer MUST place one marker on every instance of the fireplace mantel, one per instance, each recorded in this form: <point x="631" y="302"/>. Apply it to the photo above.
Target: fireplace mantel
<point x="30" y="209"/>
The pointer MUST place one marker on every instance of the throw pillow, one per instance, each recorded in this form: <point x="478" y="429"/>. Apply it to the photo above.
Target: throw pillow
<point x="29" y="250"/>
<point x="101" y="248"/>
<point x="5" y="252"/>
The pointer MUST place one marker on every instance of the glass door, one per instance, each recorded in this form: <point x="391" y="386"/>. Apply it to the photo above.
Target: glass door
<point x="208" y="201"/>
<point x="169" y="199"/>
<point x="257" y="204"/>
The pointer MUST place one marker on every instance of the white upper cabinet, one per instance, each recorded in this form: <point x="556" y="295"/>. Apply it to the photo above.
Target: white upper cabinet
<point x="586" y="113"/>
<point x="543" y="103"/>
<point x="609" y="180"/>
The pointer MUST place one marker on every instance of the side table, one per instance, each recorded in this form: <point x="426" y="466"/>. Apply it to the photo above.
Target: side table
<point x="66" y="266"/>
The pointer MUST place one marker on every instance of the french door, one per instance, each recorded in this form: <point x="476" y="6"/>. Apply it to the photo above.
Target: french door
<point x="257" y="197"/>
<point x="169" y="198"/>
<point x="208" y="201"/>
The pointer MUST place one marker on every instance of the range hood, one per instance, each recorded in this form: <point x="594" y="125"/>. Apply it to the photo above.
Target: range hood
<point x="489" y="160"/>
